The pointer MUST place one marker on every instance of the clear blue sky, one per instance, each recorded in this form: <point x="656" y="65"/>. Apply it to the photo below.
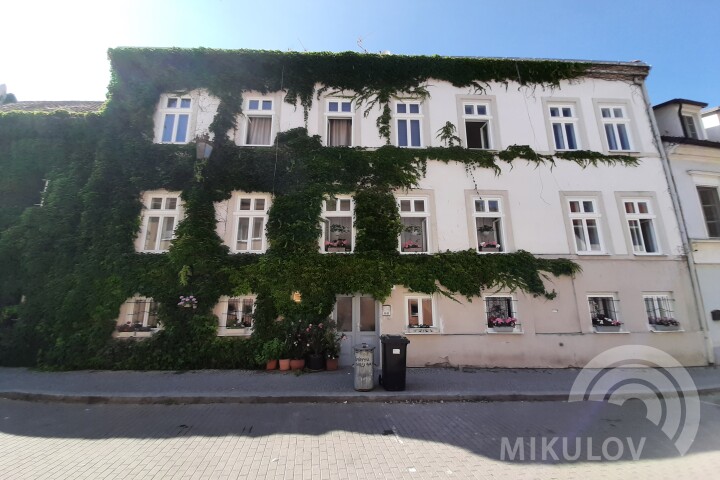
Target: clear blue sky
<point x="56" y="50"/>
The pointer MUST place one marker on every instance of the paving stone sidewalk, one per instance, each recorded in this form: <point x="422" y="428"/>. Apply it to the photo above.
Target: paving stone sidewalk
<point x="243" y="386"/>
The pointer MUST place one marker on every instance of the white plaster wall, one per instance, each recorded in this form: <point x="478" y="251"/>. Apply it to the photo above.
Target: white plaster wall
<point x="711" y="122"/>
<point x="668" y="121"/>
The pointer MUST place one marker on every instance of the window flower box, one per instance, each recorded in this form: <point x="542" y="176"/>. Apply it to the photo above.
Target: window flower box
<point x="607" y="328"/>
<point x="666" y="328"/>
<point x="489" y="247"/>
<point x="337" y="246"/>
<point x="503" y="329"/>
<point x="411" y="246"/>
<point x="664" y="324"/>
<point x="412" y="249"/>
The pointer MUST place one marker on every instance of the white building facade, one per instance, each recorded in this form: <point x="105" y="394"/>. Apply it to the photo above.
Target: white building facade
<point x="618" y="222"/>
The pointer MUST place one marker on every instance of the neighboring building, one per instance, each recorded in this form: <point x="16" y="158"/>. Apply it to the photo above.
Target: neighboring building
<point x="48" y="106"/>
<point x="694" y="154"/>
<point x="617" y="222"/>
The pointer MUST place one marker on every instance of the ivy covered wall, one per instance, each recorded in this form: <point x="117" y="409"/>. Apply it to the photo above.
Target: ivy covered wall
<point x="73" y="262"/>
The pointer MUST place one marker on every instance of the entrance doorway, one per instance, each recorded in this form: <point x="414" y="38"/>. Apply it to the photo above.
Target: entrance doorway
<point x="357" y="318"/>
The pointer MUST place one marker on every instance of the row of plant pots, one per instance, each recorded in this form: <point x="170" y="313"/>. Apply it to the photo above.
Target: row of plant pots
<point x="314" y="363"/>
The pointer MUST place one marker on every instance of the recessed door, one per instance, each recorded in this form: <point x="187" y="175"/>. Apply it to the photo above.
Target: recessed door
<point x="357" y="318"/>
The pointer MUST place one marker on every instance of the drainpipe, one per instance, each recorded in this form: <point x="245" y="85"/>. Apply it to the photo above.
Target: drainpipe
<point x="682" y="124"/>
<point x="681" y="218"/>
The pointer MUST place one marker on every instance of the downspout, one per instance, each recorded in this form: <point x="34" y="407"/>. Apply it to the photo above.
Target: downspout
<point x="681" y="218"/>
<point x="680" y="118"/>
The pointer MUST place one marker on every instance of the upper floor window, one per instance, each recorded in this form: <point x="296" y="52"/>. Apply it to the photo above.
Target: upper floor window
<point x="586" y="225"/>
<point x="160" y="218"/>
<point x="337" y="225"/>
<point x="689" y="125"/>
<point x="414" y="215"/>
<point x="563" y="121"/>
<point x="642" y="227"/>
<point x="477" y="125"/>
<point x="710" y="203"/>
<point x="616" y="123"/>
<point x="250" y="217"/>
<point x="488" y="223"/>
<point x="339" y="123"/>
<point x="259" y="114"/>
<point x="408" y="117"/>
<point x="176" y="119"/>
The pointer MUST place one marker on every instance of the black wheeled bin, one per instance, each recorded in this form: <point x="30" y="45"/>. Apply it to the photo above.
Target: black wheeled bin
<point x="394" y="355"/>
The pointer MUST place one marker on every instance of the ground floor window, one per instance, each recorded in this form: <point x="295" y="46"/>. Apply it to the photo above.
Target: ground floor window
<point x="420" y="312"/>
<point x="603" y="311"/>
<point x="500" y="312"/>
<point x="239" y="312"/>
<point x="660" y="314"/>
<point x="141" y="315"/>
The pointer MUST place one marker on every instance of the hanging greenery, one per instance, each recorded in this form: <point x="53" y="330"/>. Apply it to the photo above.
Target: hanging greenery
<point x="73" y="259"/>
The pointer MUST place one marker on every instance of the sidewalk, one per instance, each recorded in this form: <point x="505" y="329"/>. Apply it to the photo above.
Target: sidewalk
<point x="243" y="386"/>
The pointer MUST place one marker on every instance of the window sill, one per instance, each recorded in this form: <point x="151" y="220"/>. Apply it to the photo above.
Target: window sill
<point x="135" y="334"/>
<point x="422" y="331"/>
<point x="610" y="332"/>
<point x="672" y="330"/>
<point x="234" y="332"/>
<point x="593" y="254"/>
<point x="515" y="331"/>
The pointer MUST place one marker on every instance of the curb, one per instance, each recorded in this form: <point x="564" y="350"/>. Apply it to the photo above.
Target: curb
<point x="278" y="399"/>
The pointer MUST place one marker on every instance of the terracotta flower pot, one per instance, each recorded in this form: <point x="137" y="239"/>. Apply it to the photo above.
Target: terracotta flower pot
<point x="297" y="364"/>
<point x="271" y="365"/>
<point x="284" y="363"/>
<point x="331" y="364"/>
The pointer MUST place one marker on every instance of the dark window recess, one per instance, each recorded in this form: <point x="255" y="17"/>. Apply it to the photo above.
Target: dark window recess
<point x="710" y="203"/>
<point x="715" y="314"/>
<point x="477" y="134"/>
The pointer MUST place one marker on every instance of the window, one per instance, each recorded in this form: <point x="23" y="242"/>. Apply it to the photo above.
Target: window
<point x="250" y="217"/>
<point x="586" y="225"/>
<point x="710" y="204"/>
<point x="420" y="313"/>
<point x="488" y="223"/>
<point x="176" y="119"/>
<point x="259" y="122"/>
<point x="660" y="312"/>
<point x="408" y="117"/>
<point x="239" y="313"/>
<point x="642" y="230"/>
<point x="500" y="312"/>
<point x="337" y="224"/>
<point x="141" y="315"/>
<point x="689" y="126"/>
<point x="563" y="122"/>
<point x="477" y="125"/>
<point x="339" y="123"/>
<point x="617" y="125"/>
<point x="160" y="218"/>
<point x="603" y="311"/>
<point x="414" y="217"/>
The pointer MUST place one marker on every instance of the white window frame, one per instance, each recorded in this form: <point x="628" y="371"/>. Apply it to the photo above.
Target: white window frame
<point x="716" y="207"/>
<point x="615" y="307"/>
<point x="408" y="117"/>
<point x="613" y="121"/>
<point x="226" y="330"/>
<point x="129" y="319"/>
<point x="259" y="113"/>
<point x="583" y="217"/>
<point x="413" y="213"/>
<point x="690" y="126"/>
<point x="499" y="215"/>
<point x="251" y="214"/>
<point x="573" y="121"/>
<point x="429" y="328"/>
<point x="339" y="115"/>
<point x="476" y="117"/>
<point x="175" y="112"/>
<point x="637" y="218"/>
<point x="325" y="224"/>
<point x="162" y="214"/>
<point x="661" y="302"/>
<point x="512" y="301"/>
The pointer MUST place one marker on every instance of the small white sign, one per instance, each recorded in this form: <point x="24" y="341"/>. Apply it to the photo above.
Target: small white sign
<point x="396" y="351"/>
<point x="386" y="310"/>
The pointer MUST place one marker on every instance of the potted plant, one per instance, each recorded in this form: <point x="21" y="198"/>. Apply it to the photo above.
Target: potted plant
<point x="412" y="245"/>
<point x="489" y="247"/>
<point x="284" y="356"/>
<point x="315" y="333"/>
<point x="297" y="343"/>
<point x="503" y="324"/>
<point x="269" y="354"/>
<point x="664" y="324"/>
<point x="331" y="345"/>
<point x="605" y="324"/>
<point x="339" y="244"/>
<point x="188" y="302"/>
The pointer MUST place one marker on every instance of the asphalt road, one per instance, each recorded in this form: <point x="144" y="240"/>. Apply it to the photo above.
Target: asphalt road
<point x="353" y="441"/>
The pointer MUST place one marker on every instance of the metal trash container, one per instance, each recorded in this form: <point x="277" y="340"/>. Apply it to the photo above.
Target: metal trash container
<point x="394" y="355"/>
<point x="364" y="376"/>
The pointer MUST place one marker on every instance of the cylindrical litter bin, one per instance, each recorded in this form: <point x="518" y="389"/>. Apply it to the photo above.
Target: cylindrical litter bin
<point x="394" y="355"/>
<point x="364" y="377"/>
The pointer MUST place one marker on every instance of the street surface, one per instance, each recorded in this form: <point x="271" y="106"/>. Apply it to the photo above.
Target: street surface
<point x="345" y="441"/>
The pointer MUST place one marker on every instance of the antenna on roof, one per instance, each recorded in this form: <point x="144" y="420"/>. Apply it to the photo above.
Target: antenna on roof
<point x="359" y="44"/>
<point x="301" y="44"/>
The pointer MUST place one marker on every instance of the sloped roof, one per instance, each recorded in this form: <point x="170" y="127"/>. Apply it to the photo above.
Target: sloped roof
<point x="45" y="106"/>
